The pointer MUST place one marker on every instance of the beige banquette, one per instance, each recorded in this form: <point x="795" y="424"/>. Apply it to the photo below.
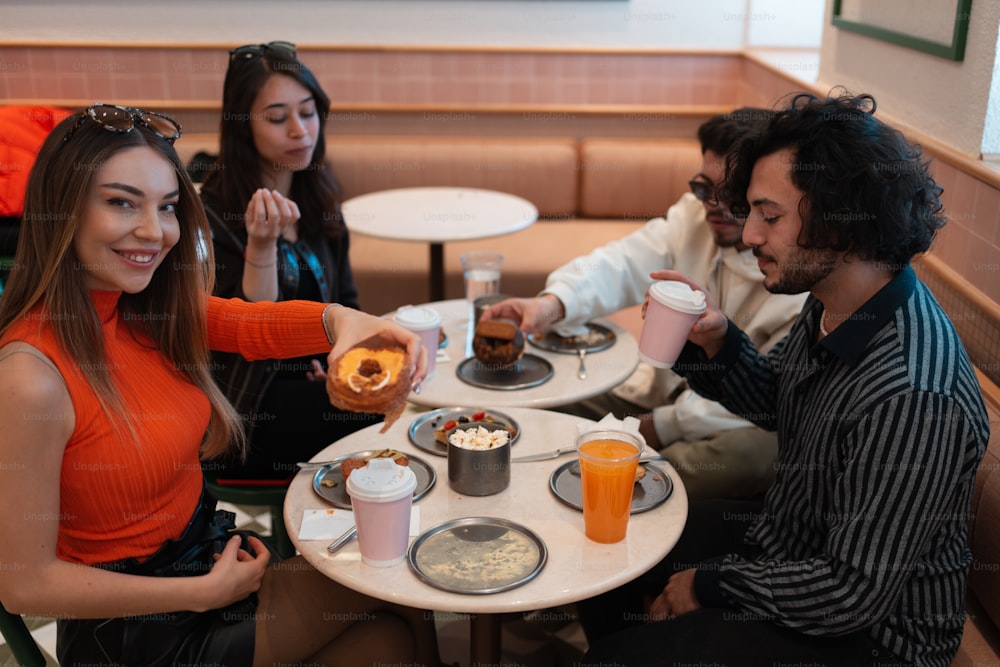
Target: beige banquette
<point x="589" y="192"/>
<point x="981" y="641"/>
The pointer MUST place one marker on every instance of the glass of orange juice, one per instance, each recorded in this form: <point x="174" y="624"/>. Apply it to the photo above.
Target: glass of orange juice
<point x="608" y="461"/>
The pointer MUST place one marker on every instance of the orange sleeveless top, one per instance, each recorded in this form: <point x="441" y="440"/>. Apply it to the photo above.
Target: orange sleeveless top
<point x="120" y="498"/>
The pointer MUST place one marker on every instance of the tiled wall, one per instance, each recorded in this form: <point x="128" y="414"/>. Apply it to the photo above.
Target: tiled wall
<point x="356" y="77"/>
<point x="488" y="92"/>
<point x="970" y="243"/>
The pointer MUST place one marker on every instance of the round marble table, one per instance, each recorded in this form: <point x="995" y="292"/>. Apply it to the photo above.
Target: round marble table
<point x="436" y="215"/>
<point x="577" y="568"/>
<point x="605" y="369"/>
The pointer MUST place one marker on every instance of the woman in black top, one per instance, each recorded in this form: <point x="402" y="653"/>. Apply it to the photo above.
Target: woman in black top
<point x="278" y="234"/>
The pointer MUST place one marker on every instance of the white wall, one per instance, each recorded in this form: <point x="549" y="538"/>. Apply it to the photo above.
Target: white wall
<point x="945" y="99"/>
<point x="991" y="131"/>
<point x="785" y="23"/>
<point x="685" y="24"/>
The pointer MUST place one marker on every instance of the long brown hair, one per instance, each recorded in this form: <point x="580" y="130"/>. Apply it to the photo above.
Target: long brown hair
<point x="238" y="174"/>
<point x="47" y="272"/>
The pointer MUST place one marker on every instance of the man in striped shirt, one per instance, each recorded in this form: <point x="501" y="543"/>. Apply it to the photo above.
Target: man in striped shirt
<point x="858" y="554"/>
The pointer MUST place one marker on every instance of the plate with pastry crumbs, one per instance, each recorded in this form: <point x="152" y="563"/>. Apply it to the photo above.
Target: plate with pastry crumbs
<point x="651" y="490"/>
<point x="530" y="371"/>
<point x="477" y="555"/>
<point x="429" y="431"/>
<point x="329" y="484"/>
<point x="597" y="337"/>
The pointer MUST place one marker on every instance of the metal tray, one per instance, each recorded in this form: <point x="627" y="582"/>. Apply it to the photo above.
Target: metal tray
<point x="337" y="495"/>
<point x="649" y="492"/>
<point x="597" y="338"/>
<point x="530" y="371"/>
<point x="422" y="428"/>
<point x="477" y="555"/>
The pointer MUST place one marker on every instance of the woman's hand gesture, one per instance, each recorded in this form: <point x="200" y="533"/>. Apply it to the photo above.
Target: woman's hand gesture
<point x="267" y="216"/>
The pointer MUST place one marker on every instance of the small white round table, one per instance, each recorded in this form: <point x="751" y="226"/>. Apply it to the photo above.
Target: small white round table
<point x="605" y="369"/>
<point x="436" y="215"/>
<point x="577" y="568"/>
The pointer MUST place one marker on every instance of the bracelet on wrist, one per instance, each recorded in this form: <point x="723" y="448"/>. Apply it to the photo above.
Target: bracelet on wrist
<point x="259" y="266"/>
<point x="326" y="325"/>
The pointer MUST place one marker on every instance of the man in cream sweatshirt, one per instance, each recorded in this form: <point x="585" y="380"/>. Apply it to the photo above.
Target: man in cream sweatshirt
<point x="716" y="453"/>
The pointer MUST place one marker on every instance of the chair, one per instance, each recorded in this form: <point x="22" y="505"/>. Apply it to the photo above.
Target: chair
<point x="21" y="643"/>
<point x="248" y="492"/>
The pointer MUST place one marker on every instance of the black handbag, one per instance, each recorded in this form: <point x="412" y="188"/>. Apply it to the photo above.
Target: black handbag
<point x="220" y="636"/>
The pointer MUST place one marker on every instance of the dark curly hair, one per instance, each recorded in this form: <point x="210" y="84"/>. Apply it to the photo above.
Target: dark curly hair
<point x="868" y="191"/>
<point x="721" y="133"/>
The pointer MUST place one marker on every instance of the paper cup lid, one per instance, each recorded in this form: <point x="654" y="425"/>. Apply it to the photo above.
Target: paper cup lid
<point x="679" y="296"/>
<point x="382" y="480"/>
<point x="417" y="317"/>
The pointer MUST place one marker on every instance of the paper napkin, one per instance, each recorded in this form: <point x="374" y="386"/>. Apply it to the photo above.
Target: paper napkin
<point x="329" y="523"/>
<point x="612" y="423"/>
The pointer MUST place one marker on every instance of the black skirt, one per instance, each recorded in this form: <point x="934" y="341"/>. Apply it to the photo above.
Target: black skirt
<point x="220" y="636"/>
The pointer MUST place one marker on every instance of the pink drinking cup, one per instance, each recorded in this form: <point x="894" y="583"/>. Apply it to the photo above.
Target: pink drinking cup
<point x="426" y="323"/>
<point x="672" y="311"/>
<point x="381" y="496"/>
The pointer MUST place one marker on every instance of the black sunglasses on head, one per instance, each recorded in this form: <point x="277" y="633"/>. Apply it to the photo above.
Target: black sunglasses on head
<point x="251" y="51"/>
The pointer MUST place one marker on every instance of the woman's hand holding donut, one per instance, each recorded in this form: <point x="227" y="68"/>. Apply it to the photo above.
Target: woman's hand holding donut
<point x="351" y="327"/>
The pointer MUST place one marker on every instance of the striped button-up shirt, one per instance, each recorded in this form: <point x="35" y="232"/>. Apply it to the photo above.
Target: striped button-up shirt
<point x="881" y="426"/>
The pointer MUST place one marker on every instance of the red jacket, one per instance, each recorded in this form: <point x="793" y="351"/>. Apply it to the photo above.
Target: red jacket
<point x="22" y="131"/>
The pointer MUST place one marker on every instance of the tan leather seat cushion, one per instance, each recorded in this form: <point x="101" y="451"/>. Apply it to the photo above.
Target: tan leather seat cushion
<point x="984" y="576"/>
<point x="634" y="180"/>
<point x="543" y="171"/>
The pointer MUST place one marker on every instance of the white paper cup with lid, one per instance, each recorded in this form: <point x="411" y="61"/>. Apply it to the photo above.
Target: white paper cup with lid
<point x="381" y="497"/>
<point x="426" y="323"/>
<point x="672" y="311"/>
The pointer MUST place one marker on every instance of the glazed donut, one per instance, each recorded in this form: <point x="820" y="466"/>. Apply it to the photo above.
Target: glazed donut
<point x="370" y="379"/>
<point x="498" y="343"/>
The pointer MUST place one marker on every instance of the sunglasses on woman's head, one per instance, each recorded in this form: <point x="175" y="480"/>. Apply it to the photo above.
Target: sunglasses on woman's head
<point x="124" y="119"/>
<point x="251" y="51"/>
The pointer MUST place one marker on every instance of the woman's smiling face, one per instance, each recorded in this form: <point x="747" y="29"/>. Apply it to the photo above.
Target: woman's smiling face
<point x="129" y="221"/>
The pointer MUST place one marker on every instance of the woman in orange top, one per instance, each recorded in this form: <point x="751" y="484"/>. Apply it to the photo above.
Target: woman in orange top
<point x="107" y="405"/>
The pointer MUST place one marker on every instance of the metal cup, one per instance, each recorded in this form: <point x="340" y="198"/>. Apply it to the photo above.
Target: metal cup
<point x="478" y="472"/>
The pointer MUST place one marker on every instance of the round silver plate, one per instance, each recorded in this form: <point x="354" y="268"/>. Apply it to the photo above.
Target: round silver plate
<point x="530" y="371"/>
<point x="598" y="337"/>
<point x="477" y="555"/>
<point x="328" y="482"/>
<point x="422" y="428"/>
<point x="650" y="491"/>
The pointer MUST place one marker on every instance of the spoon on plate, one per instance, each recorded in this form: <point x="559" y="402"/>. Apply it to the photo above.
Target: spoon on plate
<point x="582" y="371"/>
<point x="310" y="465"/>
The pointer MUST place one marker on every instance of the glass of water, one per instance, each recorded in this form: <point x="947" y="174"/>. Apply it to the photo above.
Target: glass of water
<point x="482" y="278"/>
<point x="482" y="273"/>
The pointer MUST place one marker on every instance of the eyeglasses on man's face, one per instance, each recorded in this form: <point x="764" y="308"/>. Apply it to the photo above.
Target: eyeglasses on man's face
<point x="703" y="191"/>
<point x="252" y="51"/>
<point x="125" y="119"/>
